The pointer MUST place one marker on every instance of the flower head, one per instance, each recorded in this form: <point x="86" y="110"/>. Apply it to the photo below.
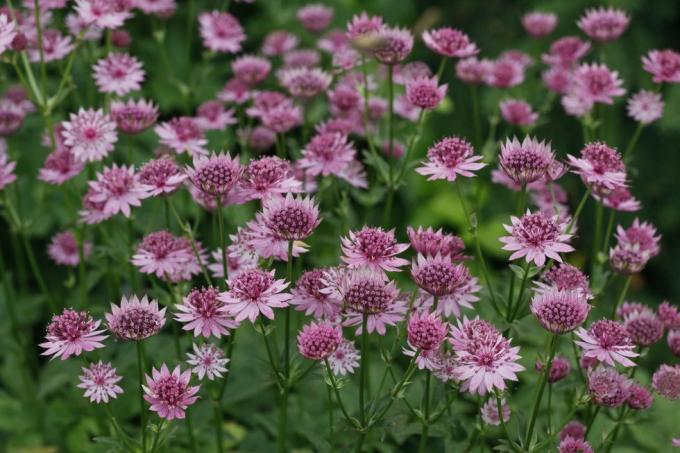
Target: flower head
<point x="278" y="42"/>
<point x="489" y="412"/>
<point x="362" y="25"/>
<point x="644" y="327"/>
<point x="315" y="17"/>
<point x="135" y="319"/>
<point x="600" y="166"/>
<point x="473" y="71"/>
<point x="539" y="24"/>
<point x="597" y="83"/>
<point x="215" y="175"/>
<point x="450" y="157"/>
<point x="118" y="188"/>
<point x="251" y="69"/>
<point x="664" y="65"/>
<point x="628" y="260"/>
<point x="163" y="176"/>
<point x="669" y="315"/>
<point x="424" y="92"/>
<point x="166" y="256"/>
<point x="64" y="250"/>
<point x="308" y="295"/>
<point x="60" y="166"/>
<point x="607" y="387"/>
<point x="213" y="116"/>
<point x="574" y="429"/>
<point x="620" y="199"/>
<point x="574" y="445"/>
<point x="118" y="73"/>
<point x="536" y="236"/>
<point x="373" y="247"/>
<point x="560" y="311"/>
<point x="559" y="369"/>
<point x="90" y="134"/>
<point x="254" y="292"/>
<point x="429" y="242"/>
<point x="345" y="359"/>
<point x="641" y="234"/>
<point x="268" y="175"/>
<point x="8" y="31"/>
<point x="11" y="117"/>
<point x="208" y="361"/>
<point x="666" y="381"/>
<point x="205" y="314"/>
<point x="170" y="393"/>
<point x="450" y="42"/>
<point x="527" y="161"/>
<point x="392" y="45"/>
<point x="290" y="218"/>
<point x="305" y="82"/>
<point x="134" y="117"/>
<point x="518" y="112"/>
<point x="608" y="342"/>
<point x="100" y="382"/>
<point x="106" y="14"/>
<point x="604" y="24"/>
<point x="183" y="135"/>
<point x="317" y="341"/>
<point x="645" y="106"/>
<point x="72" y="333"/>
<point x="282" y="118"/>
<point x="221" y="32"/>
<point x="565" y="277"/>
<point x="639" y="398"/>
<point x="673" y="341"/>
<point x="566" y="51"/>
<point x="426" y="331"/>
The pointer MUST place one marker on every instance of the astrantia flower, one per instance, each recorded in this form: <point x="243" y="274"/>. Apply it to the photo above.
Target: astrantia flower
<point x="162" y="176"/>
<point x="518" y="112"/>
<point x="254" y="292"/>
<point x="620" y="199"/>
<point x="392" y="45"/>
<point x="489" y="412"/>
<point x="645" y="106"/>
<point x="673" y="341"/>
<point x="536" y="236"/>
<point x="473" y="71"/>
<point x="601" y="166"/>
<point x="11" y="117"/>
<point x="559" y="368"/>
<point x="170" y="393"/>
<point x="642" y="234"/>
<point x="308" y="295"/>
<point x="574" y="445"/>
<point x="184" y="135"/>
<point x="669" y="315"/>
<point x="60" y="166"/>
<point x="8" y="32"/>
<point x="290" y="218"/>
<point x="215" y="175"/>
<point x="268" y="175"/>
<point x="450" y="283"/>
<point x="315" y="17"/>
<point x="63" y="249"/>
<point x="345" y="359"/>
<point x="450" y="42"/>
<point x="55" y="46"/>
<point x="301" y="58"/>
<point x="566" y="51"/>
<point x="166" y="256"/>
<point x="221" y="32"/>
<point x="100" y="382"/>
<point x="429" y="242"/>
<point x="135" y="319"/>
<point x="666" y="381"/>
<point x="72" y="333"/>
<point x="557" y="79"/>
<point x="362" y="25"/>
<point x="202" y="312"/>
<point x="639" y="398"/>
<point x="424" y="92"/>
<point x="539" y="24"/>
<point x="504" y="73"/>
<point x="327" y="153"/>
<point x="119" y="189"/>
<point x="604" y="24"/>
<point x="259" y="138"/>
<point x="305" y="82"/>
<point x="597" y="83"/>
<point x="104" y="13"/>
<point x="644" y="327"/>
<point x="160" y="8"/>
<point x="574" y="429"/>
<point x="373" y="247"/>
<point x="208" y="361"/>
<point x="133" y="117"/>
<point x="560" y="312"/>
<point x="90" y="134"/>
<point x="251" y="69"/>
<point x="450" y="157"/>
<point x="664" y="65"/>
<point x="608" y="342"/>
<point x="527" y="161"/>
<point x="628" y="308"/>
<point x="118" y="73"/>
<point x="317" y="341"/>
<point x="628" y="260"/>
<point x="565" y="277"/>
<point x="607" y="387"/>
<point x="211" y="115"/>
<point x="278" y="42"/>
<point x="426" y="331"/>
<point x="283" y="117"/>
<point x="446" y="366"/>
<point x="235" y="91"/>
<point x="263" y="101"/>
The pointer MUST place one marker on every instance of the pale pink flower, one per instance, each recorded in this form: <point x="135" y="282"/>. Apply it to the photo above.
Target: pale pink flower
<point x="166" y="256"/>
<point x="642" y="234"/>
<point x="207" y="361"/>
<point x="600" y="166"/>
<point x="576" y="105"/>
<point x="100" y="382"/>
<point x="620" y="199"/>
<point x="64" y="250"/>
<point x="240" y="257"/>
<point x="55" y="46"/>
<point x="283" y="117"/>
<point x="254" y="292"/>
<point x="473" y="71"/>
<point x="564" y="277"/>
<point x="183" y="135"/>
<point x="518" y="112"/>
<point x="77" y="25"/>
<point x="559" y="368"/>
<point x="539" y="24"/>
<point x="608" y="342"/>
<point x="160" y="8"/>
<point x="450" y="157"/>
<point x="429" y="242"/>
<point x="60" y="166"/>
<point x="504" y="73"/>
<point x="134" y="116"/>
<point x="216" y="175"/>
<point x="305" y="82"/>
<point x="411" y="71"/>
<point x="373" y="247"/>
<point x="90" y="134"/>
<point x="119" y="189"/>
<point x="278" y="42"/>
<point x="135" y="319"/>
<point x="424" y="92"/>
<point x="644" y="327"/>
<point x="557" y="79"/>
<point x="607" y="387"/>
<point x="560" y="311"/>
<point x="118" y="73"/>
<point x="345" y="359"/>
<point x="267" y="176"/>
<point x="669" y="315"/>
<point x="536" y="236"/>
<point x="72" y="333"/>
<point x="603" y="24"/>
<point x="597" y="83"/>
<point x="93" y="211"/>
<point x="162" y="176"/>
<point x="251" y="69"/>
<point x="673" y="341"/>
<point x="235" y="91"/>
<point x="308" y="296"/>
<point x="11" y="117"/>
<point x="8" y="32"/>
<point x="257" y="236"/>
<point x="639" y="398"/>
<point x="221" y="32"/>
<point x="211" y="115"/>
<point x="318" y="341"/>
<point x="645" y="106"/>
<point x="362" y="25"/>
<point x="286" y="219"/>
<point x="628" y="260"/>
<point x="301" y="58"/>
<point x="574" y="445"/>
<point x="450" y="42"/>
<point x="106" y="14"/>
<point x="327" y="153"/>
<point x="315" y="17"/>
<point x="259" y="138"/>
<point x="527" y="161"/>
<point x="334" y="42"/>
<point x="664" y="65"/>
<point x="170" y="393"/>
<point x="205" y="314"/>
<point x="666" y="381"/>
<point x="489" y="411"/>
<point x="426" y="331"/>
<point x="566" y="51"/>
<point x="392" y="45"/>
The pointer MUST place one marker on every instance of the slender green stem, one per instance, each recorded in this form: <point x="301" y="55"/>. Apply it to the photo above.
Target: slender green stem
<point x="501" y="418"/>
<point x="610" y="438"/>
<point x="283" y="410"/>
<point x="157" y="437"/>
<point x="270" y="356"/>
<point x="522" y="200"/>
<point x="329" y="392"/>
<point x="390" y="119"/>
<point x="140" y="374"/>
<point x="591" y="422"/>
<point x="426" y="413"/>
<point x="190" y="235"/>
<point x="622" y="295"/>
<point x="223" y="244"/>
<point x="82" y="279"/>
<point x="476" y="121"/>
<point x="541" y="389"/>
<point x="517" y="305"/>
<point x="599" y="212"/>
<point x="628" y="153"/>
<point x="395" y="390"/>
<point x="608" y="232"/>
<point x="334" y="384"/>
<point x="37" y="273"/>
<point x="364" y="360"/>
<point x="217" y="419"/>
<point x="579" y="208"/>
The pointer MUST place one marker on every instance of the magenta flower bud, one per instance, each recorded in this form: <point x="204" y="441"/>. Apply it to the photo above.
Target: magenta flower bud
<point x="644" y="327"/>
<point x="559" y="369"/>
<point x="574" y="429"/>
<point x="424" y="92"/>
<point x="669" y="315"/>
<point x="317" y="341"/>
<point x="121" y="38"/>
<point x="170" y="393"/>
<point x="572" y="445"/>
<point x="664" y="65"/>
<point x="674" y="342"/>
<point x="489" y="412"/>
<point x="666" y="381"/>
<point x="604" y="24"/>
<point x="450" y="42"/>
<point x="640" y="398"/>
<point x="539" y="24"/>
<point x="607" y="387"/>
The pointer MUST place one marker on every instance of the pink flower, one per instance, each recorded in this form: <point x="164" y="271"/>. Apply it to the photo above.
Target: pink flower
<point x="345" y="359"/>
<point x="664" y="65"/>
<point x="60" y="166"/>
<point x="644" y="327"/>
<point x="134" y="117"/>
<point x="344" y="98"/>
<point x="392" y="45"/>
<point x="135" y="319"/>
<point x="64" y="250"/>
<point x="597" y="83"/>
<point x="473" y="71"/>
<point x="518" y="112"/>
<point x="566" y="51"/>
<point x="536" y="236"/>
<point x="77" y="25"/>
<point x="560" y="311"/>
<point x="90" y="134"/>
<point x="119" y="189"/>
<point x="645" y="106"/>
<point x="72" y="333"/>
<point x="184" y="135"/>
<point x="642" y="234"/>
<point x="539" y="24"/>
<point x="308" y="295"/>
<point x="574" y="445"/>
<point x="526" y="162"/>
<point x="240" y="257"/>
<point x="373" y="247"/>
<point x="213" y="116"/>
<point x="327" y="153"/>
<point x="11" y="117"/>
<point x="489" y="412"/>
<point x="600" y="166"/>
<point x="170" y="393"/>
<point x="426" y="331"/>
<point x="559" y="369"/>
<point x="604" y="24"/>
<point x="504" y="73"/>
<point x="318" y="341"/>
<point x="259" y="138"/>
<point x="264" y="101"/>
<point x="429" y="242"/>
<point x="221" y="32"/>
<point x="608" y="342"/>
<point x="285" y="219"/>
<point x="557" y="79"/>
<point x="162" y="176"/>
<point x="673" y="341"/>
<point x="450" y="42"/>
<point x="620" y="199"/>
<point x="305" y="82"/>
<point x="574" y="429"/>
<point x="639" y="398"/>
<point x="207" y="360"/>
<point x="205" y="314"/>
<point x="251" y="69"/>
<point x="118" y="73"/>
<point x="628" y="260"/>
<point x="104" y="13"/>
<point x="100" y="382"/>
<point x="267" y="176"/>
<point x="254" y="292"/>
<point x="424" y="92"/>
<point x="315" y="17"/>
<point x="607" y="387"/>
<point x="8" y="32"/>
<point x="55" y="46"/>
<point x="283" y="117"/>
<point x="160" y="8"/>
<point x="166" y="256"/>
<point x="216" y="175"/>
<point x="666" y="381"/>
<point x="669" y="315"/>
<point x="628" y="308"/>
<point x="235" y="91"/>
<point x="362" y="25"/>
<point x="278" y="42"/>
<point x="450" y="157"/>
<point x="301" y="58"/>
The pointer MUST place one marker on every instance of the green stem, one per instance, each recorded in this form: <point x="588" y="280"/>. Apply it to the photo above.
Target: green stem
<point x="517" y="305"/>
<point x="599" y="212"/>
<point x="330" y="411"/>
<point x="608" y="232"/>
<point x="591" y="422"/>
<point x="579" y="208"/>
<point x="362" y="377"/>
<point x="37" y="273"/>
<point x="426" y="413"/>
<point x="223" y="244"/>
<point x="475" y="114"/>
<point x="627" y="154"/>
<point x="140" y="374"/>
<point x="499" y="408"/>
<point x="541" y="389"/>
<point x="334" y="384"/>
<point x="622" y="295"/>
<point x="395" y="391"/>
<point x="217" y="419"/>
<point x="522" y="200"/>
<point x="157" y="437"/>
